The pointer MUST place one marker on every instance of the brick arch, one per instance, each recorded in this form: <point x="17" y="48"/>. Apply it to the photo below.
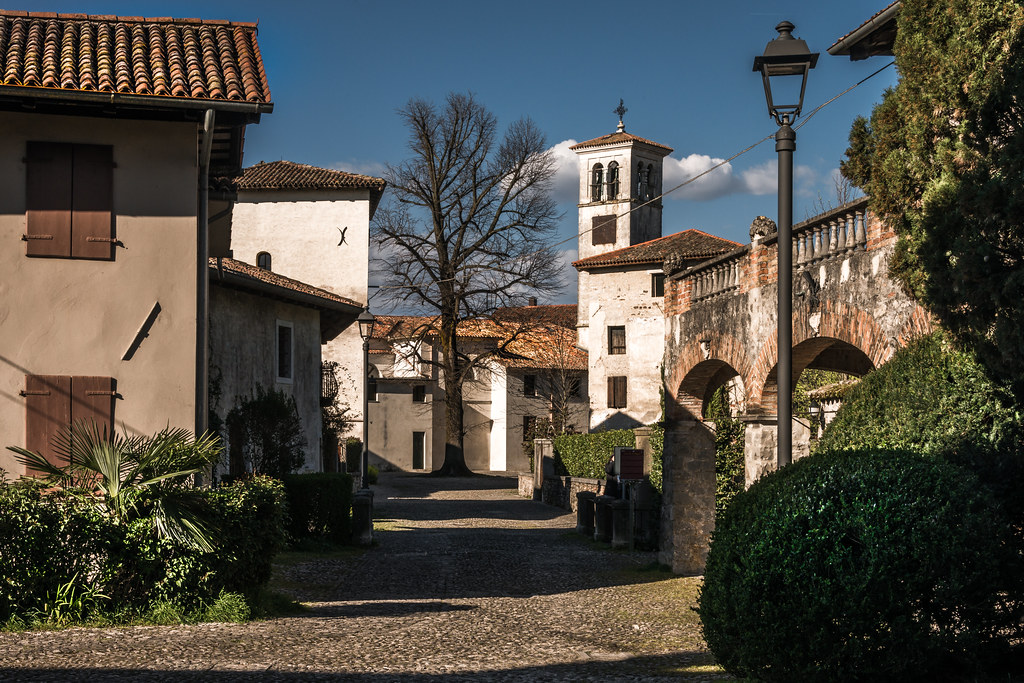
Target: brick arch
<point x="688" y="379"/>
<point x="836" y="321"/>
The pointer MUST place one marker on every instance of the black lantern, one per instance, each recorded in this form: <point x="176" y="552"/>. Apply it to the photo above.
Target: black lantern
<point x="366" y="322"/>
<point x="784" y="66"/>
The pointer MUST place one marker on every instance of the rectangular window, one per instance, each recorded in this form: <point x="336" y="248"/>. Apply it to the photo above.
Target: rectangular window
<point x="53" y="402"/>
<point x="371" y="389"/>
<point x="285" y="352"/>
<point x="616" y="392"/>
<point x="529" y="385"/>
<point x="616" y="340"/>
<point x="69" y="200"/>
<point x="574" y="386"/>
<point x="419" y="450"/>
<point x="657" y="284"/>
<point x="529" y="427"/>
<point x="419" y="394"/>
<point x="603" y="230"/>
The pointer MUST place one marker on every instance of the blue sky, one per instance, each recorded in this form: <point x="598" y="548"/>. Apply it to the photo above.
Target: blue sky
<point x="338" y="71"/>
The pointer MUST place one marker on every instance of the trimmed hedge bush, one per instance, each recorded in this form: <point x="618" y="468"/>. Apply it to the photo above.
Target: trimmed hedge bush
<point x="320" y="506"/>
<point x="856" y="566"/>
<point x="585" y="455"/>
<point x="54" y="539"/>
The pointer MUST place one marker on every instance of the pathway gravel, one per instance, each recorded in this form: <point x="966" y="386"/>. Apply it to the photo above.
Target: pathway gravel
<point x="467" y="582"/>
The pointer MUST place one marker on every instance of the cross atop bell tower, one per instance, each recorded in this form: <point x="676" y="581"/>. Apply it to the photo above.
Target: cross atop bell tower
<point x="621" y="111"/>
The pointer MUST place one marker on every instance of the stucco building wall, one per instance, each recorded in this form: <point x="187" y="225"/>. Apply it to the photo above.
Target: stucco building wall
<point x="625" y="300"/>
<point x="79" y="317"/>
<point x="243" y="343"/>
<point x="302" y="231"/>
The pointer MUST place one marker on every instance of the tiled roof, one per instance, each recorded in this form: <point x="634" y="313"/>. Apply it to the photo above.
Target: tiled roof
<point x="617" y="137"/>
<point x="241" y="273"/>
<point x="288" y="175"/>
<point x="538" y="345"/>
<point x="877" y="34"/>
<point x="688" y="244"/>
<point x="834" y="391"/>
<point x="159" y="57"/>
<point x="563" y="315"/>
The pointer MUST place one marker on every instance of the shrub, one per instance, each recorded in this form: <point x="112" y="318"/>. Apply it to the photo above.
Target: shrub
<point x="372" y="473"/>
<point x="585" y="455"/>
<point x="320" y="506"/>
<point x="266" y="431"/>
<point x="657" y="456"/>
<point x="852" y="566"/>
<point x="48" y="543"/>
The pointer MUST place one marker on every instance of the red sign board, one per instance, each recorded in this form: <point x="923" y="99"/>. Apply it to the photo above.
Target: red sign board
<point x="631" y="463"/>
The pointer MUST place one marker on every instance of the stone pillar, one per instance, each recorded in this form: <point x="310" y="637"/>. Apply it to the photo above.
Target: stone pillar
<point x="362" y="517"/>
<point x="603" y="518"/>
<point x="620" y="523"/>
<point x="585" y="512"/>
<point x="760" y="446"/>
<point x="543" y="457"/>
<point x="688" y="503"/>
<point x="643" y="442"/>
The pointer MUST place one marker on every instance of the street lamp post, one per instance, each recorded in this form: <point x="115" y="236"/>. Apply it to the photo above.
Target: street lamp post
<point x="366" y="322"/>
<point x="784" y="66"/>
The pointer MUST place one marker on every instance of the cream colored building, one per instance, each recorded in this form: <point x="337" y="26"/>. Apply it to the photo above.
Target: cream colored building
<point x="312" y="224"/>
<point x="510" y="397"/>
<point x="621" y="314"/>
<point x="103" y="289"/>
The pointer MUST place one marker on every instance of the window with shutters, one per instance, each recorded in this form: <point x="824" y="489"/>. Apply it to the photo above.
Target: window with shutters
<point x="616" y="392"/>
<point x="616" y="340"/>
<point x="596" y="182"/>
<point x="53" y="402"/>
<point x="69" y="201"/>
<point x="613" y="180"/>
<point x="285" y="352"/>
<point x="603" y="230"/>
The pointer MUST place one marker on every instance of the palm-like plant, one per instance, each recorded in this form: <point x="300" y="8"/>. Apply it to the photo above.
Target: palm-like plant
<point x="131" y="477"/>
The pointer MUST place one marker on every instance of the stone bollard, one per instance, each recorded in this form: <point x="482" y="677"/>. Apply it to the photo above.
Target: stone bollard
<point x="585" y="512"/>
<point x="362" y="517"/>
<point x="620" y="523"/>
<point x="603" y="518"/>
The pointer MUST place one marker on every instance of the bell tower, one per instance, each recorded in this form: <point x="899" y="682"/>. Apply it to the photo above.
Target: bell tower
<point x="620" y="188"/>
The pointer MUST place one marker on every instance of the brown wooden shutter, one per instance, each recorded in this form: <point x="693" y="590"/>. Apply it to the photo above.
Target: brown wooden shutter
<point x="48" y="186"/>
<point x="47" y="410"/>
<point x="92" y="222"/>
<point x="92" y="399"/>
<point x="611" y="392"/>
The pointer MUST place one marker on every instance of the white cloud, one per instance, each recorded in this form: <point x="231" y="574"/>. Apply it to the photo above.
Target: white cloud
<point x="566" y="183"/>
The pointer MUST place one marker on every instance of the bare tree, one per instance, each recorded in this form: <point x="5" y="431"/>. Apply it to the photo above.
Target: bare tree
<point x="465" y="230"/>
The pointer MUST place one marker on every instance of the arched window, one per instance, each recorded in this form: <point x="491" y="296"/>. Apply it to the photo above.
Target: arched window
<point x="263" y="260"/>
<point x="641" y="182"/>
<point x="613" y="180"/>
<point x="652" y="182"/>
<point x="596" y="182"/>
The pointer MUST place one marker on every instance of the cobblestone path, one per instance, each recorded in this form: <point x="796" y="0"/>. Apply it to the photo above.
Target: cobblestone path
<point x="467" y="582"/>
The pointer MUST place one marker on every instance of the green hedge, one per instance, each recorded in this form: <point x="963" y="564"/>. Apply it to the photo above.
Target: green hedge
<point x="320" y="506"/>
<point x="585" y="455"/>
<point x="858" y="566"/>
<point x="49" y="540"/>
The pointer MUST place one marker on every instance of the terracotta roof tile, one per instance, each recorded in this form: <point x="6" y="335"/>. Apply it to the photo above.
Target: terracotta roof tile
<point x="563" y="315"/>
<point x="181" y="58"/>
<point x="616" y="138"/>
<point x="543" y="345"/>
<point x="688" y="244"/>
<point x="245" y="271"/>
<point x="288" y="175"/>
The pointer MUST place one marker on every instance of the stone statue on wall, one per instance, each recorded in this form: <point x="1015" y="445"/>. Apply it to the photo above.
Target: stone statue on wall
<point x="762" y="226"/>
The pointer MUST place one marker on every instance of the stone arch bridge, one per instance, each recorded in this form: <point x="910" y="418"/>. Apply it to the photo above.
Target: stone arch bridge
<point x="721" y="327"/>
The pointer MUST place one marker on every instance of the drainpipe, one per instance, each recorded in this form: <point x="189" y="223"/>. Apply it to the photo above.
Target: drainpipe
<point x="202" y="276"/>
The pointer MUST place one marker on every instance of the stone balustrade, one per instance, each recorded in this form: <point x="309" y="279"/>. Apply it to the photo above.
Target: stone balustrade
<point x="831" y="234"/>
<point x="717" y="277"/>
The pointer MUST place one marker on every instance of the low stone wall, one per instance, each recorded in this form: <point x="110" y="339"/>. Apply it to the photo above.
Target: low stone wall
<point x="561" y="491"/>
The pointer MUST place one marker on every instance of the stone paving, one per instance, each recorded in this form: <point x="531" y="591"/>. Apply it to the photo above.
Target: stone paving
<point x="467" y="582"/>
